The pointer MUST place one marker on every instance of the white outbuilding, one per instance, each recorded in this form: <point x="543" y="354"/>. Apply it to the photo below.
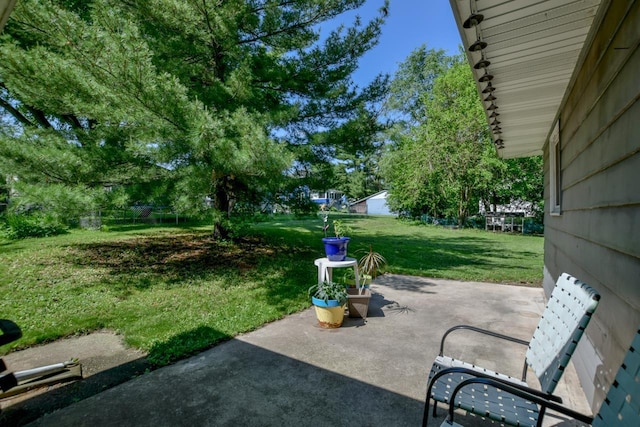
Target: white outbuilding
<point x="376" y="204"/>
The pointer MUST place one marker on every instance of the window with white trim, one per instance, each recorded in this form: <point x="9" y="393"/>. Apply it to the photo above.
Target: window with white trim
<point x="555" y="172"/>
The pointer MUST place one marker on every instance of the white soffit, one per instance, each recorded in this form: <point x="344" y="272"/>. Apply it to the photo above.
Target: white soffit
<point x="6" y="6"/>
<point x="534" y="47"/>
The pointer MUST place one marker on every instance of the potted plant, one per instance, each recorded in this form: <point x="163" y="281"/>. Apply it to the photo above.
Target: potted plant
<point x="370" y="263"/>
<point x="336" y="247"/>
<point x="329" y="299"/>
<point x="368" y="267"/>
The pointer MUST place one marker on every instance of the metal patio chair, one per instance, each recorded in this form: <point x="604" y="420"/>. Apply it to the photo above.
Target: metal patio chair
<point x="620" y="408"/>
<point x="561" y="326"/>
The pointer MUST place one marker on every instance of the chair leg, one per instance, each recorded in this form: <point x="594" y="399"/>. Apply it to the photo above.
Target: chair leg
<point x="425" y="415"/>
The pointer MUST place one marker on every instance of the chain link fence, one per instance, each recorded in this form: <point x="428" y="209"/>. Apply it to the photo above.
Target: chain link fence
<point x="137" y="214"/>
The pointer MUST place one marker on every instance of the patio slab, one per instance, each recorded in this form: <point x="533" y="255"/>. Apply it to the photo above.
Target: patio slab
<point x="293" y="373"/>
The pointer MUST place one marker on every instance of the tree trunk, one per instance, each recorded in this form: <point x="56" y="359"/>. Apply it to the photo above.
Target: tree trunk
<point x="223" y="201"/>
<point x="486" y="202"/>
<point x="463" y="208"/>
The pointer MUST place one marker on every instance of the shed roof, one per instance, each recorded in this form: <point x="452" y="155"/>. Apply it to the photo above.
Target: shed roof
<point x="378" y="194"/>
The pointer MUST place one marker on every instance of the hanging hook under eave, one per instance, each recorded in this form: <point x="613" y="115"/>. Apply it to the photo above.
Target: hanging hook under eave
<point x="489" y="88"/>
<point x="483" y="63"/>
<point x="477" y="46"/>
<point x="486" y="77"/>
<point x="473" y="20"/>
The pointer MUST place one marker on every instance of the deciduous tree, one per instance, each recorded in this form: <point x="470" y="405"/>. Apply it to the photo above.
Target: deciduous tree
<point x="441" y="165"/>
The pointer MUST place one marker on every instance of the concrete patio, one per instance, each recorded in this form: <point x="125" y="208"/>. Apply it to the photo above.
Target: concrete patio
<point x="292" y="373"/>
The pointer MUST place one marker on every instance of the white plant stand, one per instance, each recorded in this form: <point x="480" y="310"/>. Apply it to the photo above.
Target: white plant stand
<point x="325" y="269"/>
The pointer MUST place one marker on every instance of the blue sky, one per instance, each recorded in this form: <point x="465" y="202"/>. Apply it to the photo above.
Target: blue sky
<point x="410" y="24"/>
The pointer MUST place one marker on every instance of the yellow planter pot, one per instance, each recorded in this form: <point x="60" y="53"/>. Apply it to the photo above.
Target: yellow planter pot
<point x="329" y="317"/>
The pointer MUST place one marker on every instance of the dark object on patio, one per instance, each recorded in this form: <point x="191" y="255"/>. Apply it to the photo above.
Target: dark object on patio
<point x="12" y="383"/>
<point x="561" y="326"/>
<point x="621" y="407"/>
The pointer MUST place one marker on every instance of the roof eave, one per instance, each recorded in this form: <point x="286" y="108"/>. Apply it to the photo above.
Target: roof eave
<point x="534" y="49"/>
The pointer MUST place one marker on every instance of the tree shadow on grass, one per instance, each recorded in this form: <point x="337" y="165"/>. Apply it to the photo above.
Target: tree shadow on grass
<point x="164" y="261"/>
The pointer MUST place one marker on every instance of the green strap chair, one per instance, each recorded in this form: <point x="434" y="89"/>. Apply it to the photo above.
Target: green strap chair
<point x="566" y="315"/>
<point x="621" y="407"/>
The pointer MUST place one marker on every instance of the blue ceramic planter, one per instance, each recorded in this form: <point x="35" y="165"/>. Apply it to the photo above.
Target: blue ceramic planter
<point x="336" y="247"/>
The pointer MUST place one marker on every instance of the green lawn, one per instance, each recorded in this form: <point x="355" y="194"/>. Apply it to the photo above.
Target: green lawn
<point x="430" y="251"/>
<point x="173" y="291"/>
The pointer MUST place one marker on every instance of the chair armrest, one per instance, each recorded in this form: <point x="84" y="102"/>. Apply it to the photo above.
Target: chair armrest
<point x="532" y="395"/>
<point x="482" y="331"/>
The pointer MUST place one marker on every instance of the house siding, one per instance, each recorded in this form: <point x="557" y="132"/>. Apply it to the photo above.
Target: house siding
<point x="377" y="205"/>
<point x="597" y="235"/>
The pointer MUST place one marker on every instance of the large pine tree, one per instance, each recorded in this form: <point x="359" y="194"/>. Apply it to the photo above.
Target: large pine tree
<point x="176" y="98"/>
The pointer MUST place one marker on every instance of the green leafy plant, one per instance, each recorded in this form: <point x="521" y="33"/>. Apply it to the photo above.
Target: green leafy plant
<point x="348" y="276"/>
<point x="329" y="291"/>
<point x="369" y="266"/>
<point x="21" y="226"/>
<point x="340" y="229"/>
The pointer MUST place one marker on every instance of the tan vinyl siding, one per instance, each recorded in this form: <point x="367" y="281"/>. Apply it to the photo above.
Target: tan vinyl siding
<point x="6" y="6"/>
<point x="597" y="236"/>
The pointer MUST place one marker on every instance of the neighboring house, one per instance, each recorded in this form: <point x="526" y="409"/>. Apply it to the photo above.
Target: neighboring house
<point x="328" y="197"/>
<point x="564" y="75"/>
<point x="376" y="204"/>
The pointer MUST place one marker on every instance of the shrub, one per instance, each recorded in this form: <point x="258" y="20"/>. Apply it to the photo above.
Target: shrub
<point x="533" y="227"/>
<point x="476" y="221"/>
<point x="21" y="226"/>
<point x="302" y="207"/>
